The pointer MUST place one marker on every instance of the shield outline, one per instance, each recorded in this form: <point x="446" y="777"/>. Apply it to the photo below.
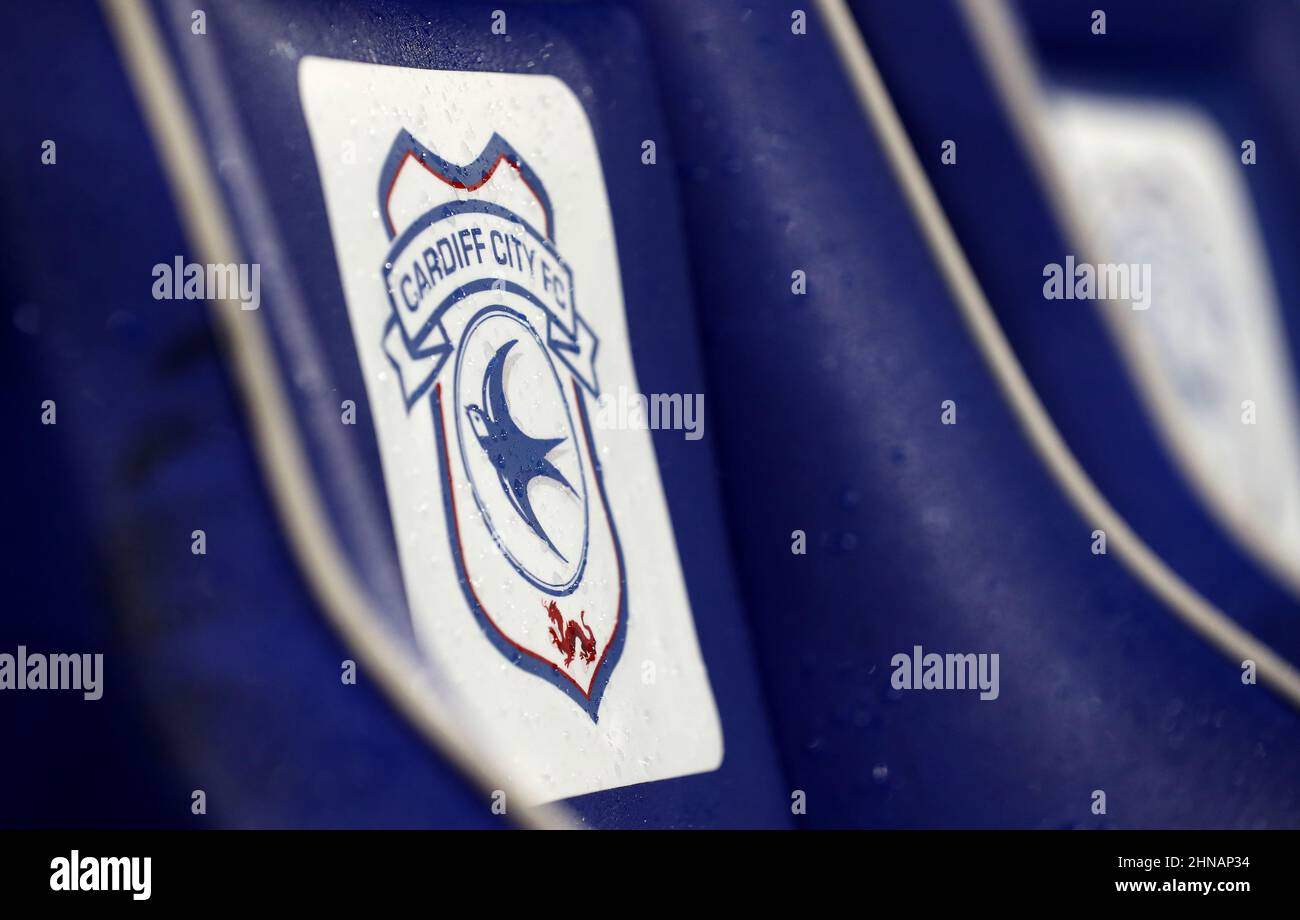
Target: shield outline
<point x="470" y="177"/>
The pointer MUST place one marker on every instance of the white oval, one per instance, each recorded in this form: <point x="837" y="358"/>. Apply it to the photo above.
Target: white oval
<point x="552" y="554"/>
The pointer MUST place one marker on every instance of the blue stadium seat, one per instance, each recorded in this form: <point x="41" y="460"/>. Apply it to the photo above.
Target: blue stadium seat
<point x="824" y="417"/>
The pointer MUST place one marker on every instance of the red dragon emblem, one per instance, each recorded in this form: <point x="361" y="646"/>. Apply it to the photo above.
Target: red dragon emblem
<point x="568" y="638"/>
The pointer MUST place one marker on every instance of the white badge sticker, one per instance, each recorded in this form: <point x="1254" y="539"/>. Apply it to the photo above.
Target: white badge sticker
<point x="476" y="249"/>
<point x="1159" y="184"/>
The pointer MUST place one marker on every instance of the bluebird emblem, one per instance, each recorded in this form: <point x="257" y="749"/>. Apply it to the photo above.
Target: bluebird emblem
<point x="517" y="457"/>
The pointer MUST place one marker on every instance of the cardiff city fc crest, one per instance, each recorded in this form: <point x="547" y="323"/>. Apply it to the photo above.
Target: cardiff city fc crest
<point x="489" y="347"/>
<point x="538" y="585"/>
